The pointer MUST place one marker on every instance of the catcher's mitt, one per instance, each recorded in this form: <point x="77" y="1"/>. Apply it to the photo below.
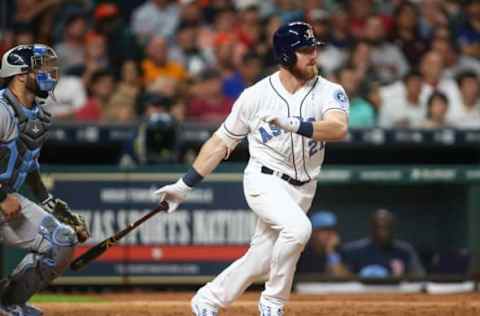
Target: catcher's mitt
<point x="62" y="212"/>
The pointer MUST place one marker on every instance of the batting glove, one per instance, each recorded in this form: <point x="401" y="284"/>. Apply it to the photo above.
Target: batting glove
<point x="290" y="124"/>
<point x="174" y="194"/>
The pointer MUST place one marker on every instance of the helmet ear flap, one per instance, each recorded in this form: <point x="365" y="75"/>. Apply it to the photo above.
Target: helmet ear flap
<point x="288" y="59"/>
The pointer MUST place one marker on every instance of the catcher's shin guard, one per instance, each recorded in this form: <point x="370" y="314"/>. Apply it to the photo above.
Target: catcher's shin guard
<point x="53" y="248"/>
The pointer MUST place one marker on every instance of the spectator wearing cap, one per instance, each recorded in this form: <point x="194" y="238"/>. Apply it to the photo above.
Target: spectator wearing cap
<point x="155" y="17"/>
<point x="381" y="255"/>
<point x="321" y="255"/>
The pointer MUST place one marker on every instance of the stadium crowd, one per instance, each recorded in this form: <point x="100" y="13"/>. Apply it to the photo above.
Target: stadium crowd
<point x="403" y="63"/>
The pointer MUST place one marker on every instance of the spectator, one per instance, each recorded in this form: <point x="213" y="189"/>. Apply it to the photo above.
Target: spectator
<point x="433" y="16"/>
<point x="122" y="45"/>
<point x="288" y="10"/>
<point x="330" y="57"/>
<point x="387" y="59"/>
<point x="361" y="114"/>
<point x="155" y="18"/>
<point x="186" y="50"/>
<point x="469" y="33"/>
<point x="455" y="62"/>
<point x="437" y="108"/>
<point x="121" y="107"/>
<point x="406" y="33"/>
<point x="208" y="103"/>
<point x="246" y="75"/>
<point x="71" y="51"/>
<point x="360" y="59"/>
<point x="157" y="64"/>
<point x="340" y="35"/>
<point x="100" y="90"/>
<point x="23" y="34"/>
<point x="405" y="110"/>
<point x="468" y="115"/>
<point x="432" y="68"/>
<point x="321" y="255"/>
<point x="380" y="255"/>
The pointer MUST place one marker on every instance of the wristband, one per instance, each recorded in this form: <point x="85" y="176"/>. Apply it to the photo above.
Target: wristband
<point x="305" y="129"/>
<point x="192" y="177"/>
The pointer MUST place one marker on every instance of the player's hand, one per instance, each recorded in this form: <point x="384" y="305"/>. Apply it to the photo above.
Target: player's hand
<point x="64" y="214"/>
<point x="10" y="207"/>
<point x="290" y="124"/>
<point x="174" y="194"/>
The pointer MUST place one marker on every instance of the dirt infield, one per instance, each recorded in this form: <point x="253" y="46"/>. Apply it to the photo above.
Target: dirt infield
<point x="177" y="304"/>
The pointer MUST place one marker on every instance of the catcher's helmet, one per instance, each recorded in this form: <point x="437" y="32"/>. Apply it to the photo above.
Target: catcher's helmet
<point x="39" y="58"/>
<point x="290" y="37"/>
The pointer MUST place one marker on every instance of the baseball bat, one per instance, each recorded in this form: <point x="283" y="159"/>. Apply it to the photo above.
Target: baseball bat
<point x="83" y="260"/>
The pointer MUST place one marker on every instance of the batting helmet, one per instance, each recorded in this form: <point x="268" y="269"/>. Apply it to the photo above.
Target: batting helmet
<point x="36" y="57"/>
<point x="290" y="37"/>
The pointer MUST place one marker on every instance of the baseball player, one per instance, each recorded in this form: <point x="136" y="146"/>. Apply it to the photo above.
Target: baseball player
<point x="49" y="231"/>
<point x="287" y="118"/>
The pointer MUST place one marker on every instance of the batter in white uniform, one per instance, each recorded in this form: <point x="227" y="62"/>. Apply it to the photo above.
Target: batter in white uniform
<point x="287" y="118"/>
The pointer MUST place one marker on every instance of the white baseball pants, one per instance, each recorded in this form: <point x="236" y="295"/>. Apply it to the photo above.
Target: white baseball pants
<point x="282" y="231"/>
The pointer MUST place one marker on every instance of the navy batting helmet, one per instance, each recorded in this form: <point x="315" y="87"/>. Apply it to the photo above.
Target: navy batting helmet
<point x="290" y="37"/>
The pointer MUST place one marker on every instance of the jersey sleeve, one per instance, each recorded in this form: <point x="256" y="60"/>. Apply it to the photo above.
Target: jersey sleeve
<point x="7" y="124"/>
<point x="336" y="99"/>
<point x="235" y="127"/>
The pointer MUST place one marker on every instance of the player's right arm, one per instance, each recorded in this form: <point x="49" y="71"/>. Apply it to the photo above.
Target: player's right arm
<point x="217" y="148"/>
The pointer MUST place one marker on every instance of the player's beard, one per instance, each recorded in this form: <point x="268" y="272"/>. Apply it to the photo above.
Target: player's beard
<point x="307" y="73"/>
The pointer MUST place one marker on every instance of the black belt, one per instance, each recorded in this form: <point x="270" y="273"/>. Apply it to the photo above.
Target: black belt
<point x="284" y="176"/>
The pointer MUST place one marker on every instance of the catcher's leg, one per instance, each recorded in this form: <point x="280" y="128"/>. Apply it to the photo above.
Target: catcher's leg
<point x="51" y="246"/>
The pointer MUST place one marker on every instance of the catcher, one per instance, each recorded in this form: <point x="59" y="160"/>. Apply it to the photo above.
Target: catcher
<point x="49" y="231"/>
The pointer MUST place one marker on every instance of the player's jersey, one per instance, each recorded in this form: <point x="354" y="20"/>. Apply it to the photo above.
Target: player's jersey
<point x="297" y="156"/>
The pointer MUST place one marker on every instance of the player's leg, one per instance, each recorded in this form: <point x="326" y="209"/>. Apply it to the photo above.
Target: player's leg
<point x="286" y="213"/>
<point x="51" y="246"/>
<point x="233" y="281"/>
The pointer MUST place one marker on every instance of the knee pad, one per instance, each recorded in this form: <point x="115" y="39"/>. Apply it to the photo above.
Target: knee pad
<point x="54" y="247"/>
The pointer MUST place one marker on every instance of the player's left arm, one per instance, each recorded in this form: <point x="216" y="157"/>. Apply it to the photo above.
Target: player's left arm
<point x="56" y="206"/>
<point x="333" y="127"/>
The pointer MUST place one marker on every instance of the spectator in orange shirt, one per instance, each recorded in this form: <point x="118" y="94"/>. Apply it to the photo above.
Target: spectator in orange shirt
<point x="157" y="63"/>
